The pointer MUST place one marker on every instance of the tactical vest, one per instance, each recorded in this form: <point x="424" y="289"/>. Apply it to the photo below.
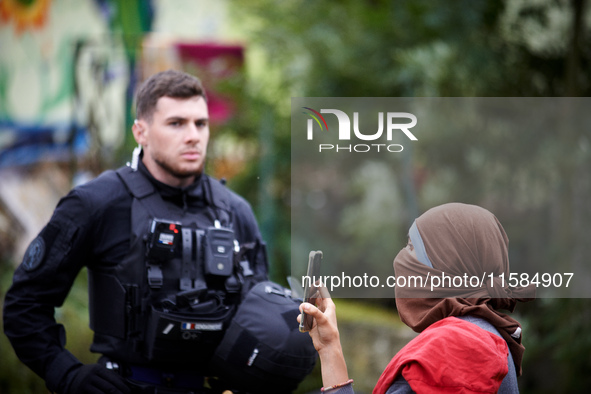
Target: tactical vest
<point x="174" y="294"/>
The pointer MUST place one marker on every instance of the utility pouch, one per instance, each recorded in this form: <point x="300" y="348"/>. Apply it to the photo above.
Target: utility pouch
<point x="163" y="241"/>
<point x="219" y="251"/>
<point x="185" y="335"/>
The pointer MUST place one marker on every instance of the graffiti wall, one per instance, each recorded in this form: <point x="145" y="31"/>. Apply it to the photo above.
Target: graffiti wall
<point x="63" y="79"/>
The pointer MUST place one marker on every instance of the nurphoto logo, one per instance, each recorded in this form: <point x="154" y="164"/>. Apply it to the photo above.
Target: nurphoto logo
<point x="393" y="124"/>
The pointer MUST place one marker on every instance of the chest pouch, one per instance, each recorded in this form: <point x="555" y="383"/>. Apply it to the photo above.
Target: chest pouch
<point x="163" y="246"/>
<point x="186" y="334"/>
<point x="218" y="251"/>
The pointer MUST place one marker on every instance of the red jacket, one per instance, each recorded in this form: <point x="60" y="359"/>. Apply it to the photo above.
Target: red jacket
<point x="450" y="356"/>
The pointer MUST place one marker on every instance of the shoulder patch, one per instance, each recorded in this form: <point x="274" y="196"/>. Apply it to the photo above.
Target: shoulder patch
<point x="35" y="254"/>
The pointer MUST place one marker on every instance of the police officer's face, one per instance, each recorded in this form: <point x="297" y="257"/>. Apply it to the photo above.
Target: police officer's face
<point x="175" y="141"/>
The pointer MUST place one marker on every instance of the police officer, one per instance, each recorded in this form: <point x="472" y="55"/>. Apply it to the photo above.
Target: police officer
<point x="169" y="252"/>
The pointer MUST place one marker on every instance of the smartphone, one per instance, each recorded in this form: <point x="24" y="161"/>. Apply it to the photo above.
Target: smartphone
<point x="311" y="291"/>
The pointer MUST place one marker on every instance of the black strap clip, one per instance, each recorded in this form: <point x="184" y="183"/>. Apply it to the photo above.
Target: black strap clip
<point x="155" y="277"/>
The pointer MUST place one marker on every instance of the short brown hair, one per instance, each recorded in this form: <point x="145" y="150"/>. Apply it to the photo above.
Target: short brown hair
<point x="170" y="83"/>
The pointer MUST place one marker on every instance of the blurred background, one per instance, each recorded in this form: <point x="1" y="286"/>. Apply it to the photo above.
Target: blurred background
<point x="69" y="69"/>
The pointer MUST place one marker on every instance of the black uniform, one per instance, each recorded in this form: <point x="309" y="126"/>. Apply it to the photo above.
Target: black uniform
<point x="90" y="227"/>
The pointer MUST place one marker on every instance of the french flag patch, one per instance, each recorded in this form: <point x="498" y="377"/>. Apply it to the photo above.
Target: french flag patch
<point x="203" y="326"/>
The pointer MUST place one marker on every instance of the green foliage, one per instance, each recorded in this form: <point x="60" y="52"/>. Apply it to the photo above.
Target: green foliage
<point x="558" y="331"/>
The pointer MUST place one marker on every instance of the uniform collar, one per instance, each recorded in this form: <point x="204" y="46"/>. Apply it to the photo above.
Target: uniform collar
<point x="177" y="195"/>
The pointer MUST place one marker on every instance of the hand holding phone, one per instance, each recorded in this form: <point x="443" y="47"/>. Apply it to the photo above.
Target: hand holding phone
<point x="311" y="289"/>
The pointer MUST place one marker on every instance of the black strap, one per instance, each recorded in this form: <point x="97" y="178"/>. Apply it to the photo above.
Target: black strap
<point x="140" y="187"/>
<point x="217" y="194"/>
<point x="186" y="281"/>
<point x="137" y="184"/>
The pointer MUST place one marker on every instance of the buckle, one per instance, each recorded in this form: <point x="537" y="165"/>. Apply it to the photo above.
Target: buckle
<point x="155" y="278"/>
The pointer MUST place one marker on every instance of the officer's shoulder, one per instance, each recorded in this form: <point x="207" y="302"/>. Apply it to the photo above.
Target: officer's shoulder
<point x="235" y="200"/>
<point x="104" y="188"/>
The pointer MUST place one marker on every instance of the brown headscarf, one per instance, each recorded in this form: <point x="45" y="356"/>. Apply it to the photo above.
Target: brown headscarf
<point x="465" y="241"/>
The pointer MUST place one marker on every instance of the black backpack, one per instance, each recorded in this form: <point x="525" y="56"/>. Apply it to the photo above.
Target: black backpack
<point x="263" y="350"/>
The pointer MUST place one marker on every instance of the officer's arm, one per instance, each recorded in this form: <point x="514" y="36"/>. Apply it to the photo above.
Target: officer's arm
<point x="40" y="284"/>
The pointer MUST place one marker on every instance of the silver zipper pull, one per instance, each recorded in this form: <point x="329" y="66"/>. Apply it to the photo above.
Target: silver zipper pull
<point x="254" y="354"/>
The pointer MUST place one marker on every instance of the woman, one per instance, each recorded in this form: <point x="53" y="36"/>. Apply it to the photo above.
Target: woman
<point x="466" y="344"/>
